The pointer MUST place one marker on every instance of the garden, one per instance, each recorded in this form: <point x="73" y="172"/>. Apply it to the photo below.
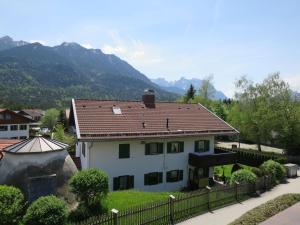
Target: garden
<point x="91" y="189"/>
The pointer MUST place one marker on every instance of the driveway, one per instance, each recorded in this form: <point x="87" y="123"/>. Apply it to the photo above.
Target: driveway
<point x="228" y="214"/>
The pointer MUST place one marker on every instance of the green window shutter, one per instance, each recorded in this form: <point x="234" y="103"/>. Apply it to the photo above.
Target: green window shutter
<point x="116" y="184"/>
<point x="169" y="145"/>
<point x="147" y="149"/>
<point x="206" y="145"/>
<point x="130" y="182"/>
<point x="180" y="175"/>
<point x="160" y="177"/>
<point x="181" y="146"/>
<point x="196" y="146"/>
<point x="146" y="182"/>
<point x="160" y="147"/>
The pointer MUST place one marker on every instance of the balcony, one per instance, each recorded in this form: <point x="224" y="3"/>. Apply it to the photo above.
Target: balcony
<point x="220" y="157"/>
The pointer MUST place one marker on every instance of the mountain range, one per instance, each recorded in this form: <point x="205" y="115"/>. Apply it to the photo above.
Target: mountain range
<point x="35" y="75"/>
<point x="180" y="86"/>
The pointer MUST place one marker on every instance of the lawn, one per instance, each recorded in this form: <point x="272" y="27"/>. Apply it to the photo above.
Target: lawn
<point x="267" y="210"/>
<point x="122" y="200"/>
<point x="227" y="170"/>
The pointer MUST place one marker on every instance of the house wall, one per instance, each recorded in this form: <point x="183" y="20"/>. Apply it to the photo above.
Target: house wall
<point x="14" y="133"/>
<point x="105" y="155"/>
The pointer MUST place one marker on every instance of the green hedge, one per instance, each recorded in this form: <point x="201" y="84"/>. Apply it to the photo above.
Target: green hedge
<point x="243" y="176"/>
<point x="48" y="210"/>
<point x="11" y="205"/>
<point x="267" y="210"/>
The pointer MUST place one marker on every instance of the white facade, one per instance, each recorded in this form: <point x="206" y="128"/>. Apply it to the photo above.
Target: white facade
<point x="14" y="131"/>
<point x="105" y="156"/>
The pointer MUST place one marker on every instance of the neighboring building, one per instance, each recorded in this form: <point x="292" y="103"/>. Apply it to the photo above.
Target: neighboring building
<point x="39" y="167"/>
<point x="148" y="145"/>
<point x="13" y="125"/>
<point x="34" y="114"/>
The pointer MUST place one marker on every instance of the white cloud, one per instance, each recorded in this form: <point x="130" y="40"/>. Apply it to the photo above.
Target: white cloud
<point x="294" y="82"/>
<point x="43" y="42"/>
<point x="134" y="51"/>
<point x="87" y="45"/>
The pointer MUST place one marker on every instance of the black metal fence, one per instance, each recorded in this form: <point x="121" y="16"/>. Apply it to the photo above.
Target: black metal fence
<point x="182" y="207"/>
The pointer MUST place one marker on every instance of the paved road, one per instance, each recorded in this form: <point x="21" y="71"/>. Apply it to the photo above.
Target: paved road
<point x="290" y="216"/>
<point x="228" y="214"/>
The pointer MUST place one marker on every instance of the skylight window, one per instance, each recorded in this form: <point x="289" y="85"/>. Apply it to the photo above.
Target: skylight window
<point x="116" y="110"/>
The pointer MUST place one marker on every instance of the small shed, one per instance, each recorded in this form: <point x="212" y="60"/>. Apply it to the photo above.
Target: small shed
<point x="39" y="167"/>
<point x="291" y="169"/>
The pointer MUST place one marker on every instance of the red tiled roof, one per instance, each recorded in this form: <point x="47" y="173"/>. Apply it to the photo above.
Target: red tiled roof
<point x="96" y="120"/>
<point x="7" y="142"/>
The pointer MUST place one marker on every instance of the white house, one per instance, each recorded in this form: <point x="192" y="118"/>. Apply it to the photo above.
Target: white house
<point x="148" y="145"/>
<point x="13" y="125"/>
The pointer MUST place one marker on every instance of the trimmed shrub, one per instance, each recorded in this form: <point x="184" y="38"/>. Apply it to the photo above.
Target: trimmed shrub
<point x="89" y="185"/>
<point x="243" y="176"/>
<point x="46" y="210"/>
<point x="11" y="205"/>
<point x="273" y="169"/>
<point x="256" y="171"/>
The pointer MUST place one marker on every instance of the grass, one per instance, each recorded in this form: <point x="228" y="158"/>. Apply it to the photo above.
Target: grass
<point x="227" y="170"/>
<point x="123" y="200"/>
<point x="267" y="210"/>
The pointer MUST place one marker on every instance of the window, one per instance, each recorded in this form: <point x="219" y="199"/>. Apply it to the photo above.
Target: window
<point x="153" y="178"/>
<point x="124" y="151"/>
<point x="174" y="175"/>
<point x="202" y="146"/>
<point x="203" y="172"/>
<point x="14" y="138"/>
<point x="154" y="148"/>
<point x="123" y="182"/>
<point x="83" y="148"/>
<point x="175" y="147"/>
<point x="23" y="127"/>
<point x="13" y="127"/>
<point x="23" y="137"/>
<point x="3" y="128"/>
<point x="7" y="116"/>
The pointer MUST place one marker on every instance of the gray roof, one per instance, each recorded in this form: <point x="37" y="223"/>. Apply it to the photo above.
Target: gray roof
<point x="36" y="145"/>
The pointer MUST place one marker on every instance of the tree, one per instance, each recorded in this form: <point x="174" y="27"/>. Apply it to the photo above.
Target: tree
<point x="46" y="210"/>
<point x="60" y="135"/>
<point x="190" y="94"/>
<point x="207" y="90"/>
<point x="11" y="205"/>
<point x="50" y="118"/>
<point x="265" y="109"/>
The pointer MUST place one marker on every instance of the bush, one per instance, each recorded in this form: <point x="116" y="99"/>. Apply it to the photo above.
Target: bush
<point x="243" y="176"/>
<point x="89" y="185"/>
<point x="11" y="205"/>
<point x="256" y="171"/>
<point x="46" y="210"/>
<point x="267" y="210"/>
<point x="273" y="169"/>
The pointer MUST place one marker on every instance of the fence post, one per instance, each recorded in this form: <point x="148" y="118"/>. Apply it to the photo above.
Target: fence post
<point x="208" y="197"/>
<point x="266" y="183"/>
<point x="171" y="201"/>
<point x="115" y="216"/>
<point x="236" y="190"/>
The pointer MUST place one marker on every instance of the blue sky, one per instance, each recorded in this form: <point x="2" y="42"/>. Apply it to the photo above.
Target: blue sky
<point x="174" y="38"/>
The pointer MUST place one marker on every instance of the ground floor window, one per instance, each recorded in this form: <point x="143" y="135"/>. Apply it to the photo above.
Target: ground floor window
<point x="3" y="128"/>
<point x="13" y="127"/>
<point x="23" y="137"/>
<point x="153" y="178"/>
<point x="174" y="175"/>
<point x="123" y="182"/>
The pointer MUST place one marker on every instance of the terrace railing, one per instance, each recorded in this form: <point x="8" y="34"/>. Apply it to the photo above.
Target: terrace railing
<point x="182" y="207"/>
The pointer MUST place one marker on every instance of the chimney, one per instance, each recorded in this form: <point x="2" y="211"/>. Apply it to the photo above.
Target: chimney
<point x="149" y="98"/>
